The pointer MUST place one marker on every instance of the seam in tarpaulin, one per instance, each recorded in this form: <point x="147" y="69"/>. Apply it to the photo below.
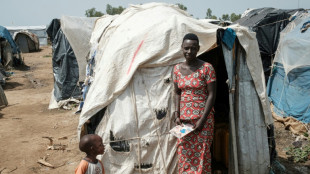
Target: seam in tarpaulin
<point x="133" y="97"/>
<point x="155" y="120"/>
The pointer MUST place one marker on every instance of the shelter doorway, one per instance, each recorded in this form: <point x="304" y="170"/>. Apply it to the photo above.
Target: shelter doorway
<point x="220" y="146"/>
<point x="22" y="42"/>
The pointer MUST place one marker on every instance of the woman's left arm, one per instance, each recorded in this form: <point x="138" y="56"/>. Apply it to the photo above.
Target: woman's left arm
<point x="211" y="87"/>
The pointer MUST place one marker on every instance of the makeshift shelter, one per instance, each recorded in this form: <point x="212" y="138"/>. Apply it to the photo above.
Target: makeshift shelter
<point x="26" y="41"/>
<point x="267" y="23"/>
<point x="10" y="53"/>
<point x="132" y="89"/>
<point x="70" y="38"/>
<point x="288" y="86"/>
<point x="39" y="31"/>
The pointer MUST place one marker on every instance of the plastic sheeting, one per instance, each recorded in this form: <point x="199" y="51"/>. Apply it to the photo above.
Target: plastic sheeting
<point x="78" y="32"/>
<point x="267" y="23"/>
<point x="39" y="31"/>
<point x="135" y="54"/>
<point x="65" y="65"/>
<point x="4" y="33"/>
<point x="289" y="85"/>
<point x="293" y="49"/>
<point x="26" y="41"/>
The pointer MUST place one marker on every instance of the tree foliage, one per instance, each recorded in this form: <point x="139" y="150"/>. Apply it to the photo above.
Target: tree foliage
<point x="93" y="13"/>
<point x="234" y="17"/>
<point x="114" y="10"/>
<point x="182" y="7"/>
<point x="209" y="14"/>
<point x="225" y="17"/>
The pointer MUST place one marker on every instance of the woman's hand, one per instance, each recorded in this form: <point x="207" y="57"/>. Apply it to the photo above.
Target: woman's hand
<point x="199" y="125"/>
<point x="178" y="121"/>
<point x="177" y="118"/>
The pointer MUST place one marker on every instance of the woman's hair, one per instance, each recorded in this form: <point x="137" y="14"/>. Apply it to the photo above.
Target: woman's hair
<point x="191" y="36"/>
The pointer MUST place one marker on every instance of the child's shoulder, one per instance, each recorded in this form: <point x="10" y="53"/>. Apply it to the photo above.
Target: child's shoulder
<point x="82" y="167"/>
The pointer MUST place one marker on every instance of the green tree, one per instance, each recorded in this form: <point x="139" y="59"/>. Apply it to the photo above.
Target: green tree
<point x="93" y="13"/>
<point x="182" y="7"/>
<point x="234" y="17"/>
<point x="209" y="14"/>
<point x="225" y="17"/>
<point x="114" y="10"/>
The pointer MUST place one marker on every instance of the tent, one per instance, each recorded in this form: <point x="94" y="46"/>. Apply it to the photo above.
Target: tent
<point x="267" y="23"/>
<point x="26" y="41"/>
<point x="39" y="31"/>
<point x="288" y="86"/>
<point x="70" y="38"/>
<point x="10" y="53"/>
<point x="132" y="89"/>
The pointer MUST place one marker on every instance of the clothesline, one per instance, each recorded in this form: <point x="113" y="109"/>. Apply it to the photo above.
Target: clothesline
<point x="273" y="22"/>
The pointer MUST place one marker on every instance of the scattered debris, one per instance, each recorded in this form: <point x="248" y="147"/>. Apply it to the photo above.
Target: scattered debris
<point x="43" y="162"/>
<point x="51" y="140"/>
<point x="53" y="146"/>
<point x="1" y="169"/>
<point x="63" y="138"/>
<point x="5" y="170"/>
<point x="57" y="147"/>
<point x="16" y="118"/>
<point x="297" y="144"/>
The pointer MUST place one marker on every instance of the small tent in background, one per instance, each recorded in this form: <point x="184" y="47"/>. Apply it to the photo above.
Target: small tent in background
<point x="267" y="23"/>
<point x="289" y="83"/>
<point x="26" y="41"/>
<point x="10" y="53"/>
<point x="39" y="31"/>
<point x="132" y="89"/>
<point x="70" y="39"/>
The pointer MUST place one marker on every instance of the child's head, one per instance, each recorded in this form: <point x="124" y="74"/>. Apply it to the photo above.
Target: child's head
<point x="91" y="144"/>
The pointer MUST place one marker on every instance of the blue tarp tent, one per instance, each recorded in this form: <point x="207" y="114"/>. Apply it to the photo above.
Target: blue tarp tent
<point x="289" y="85"/>
<point x="4" y="33"/>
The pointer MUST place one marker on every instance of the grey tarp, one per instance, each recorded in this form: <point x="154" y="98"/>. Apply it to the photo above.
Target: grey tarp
<point x="251" y="130"/>
<point x="78" y="31"/>
<point x="65" y="65"/>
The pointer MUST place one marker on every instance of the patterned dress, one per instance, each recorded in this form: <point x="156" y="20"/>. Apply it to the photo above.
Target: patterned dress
<point x="194" y="149"/>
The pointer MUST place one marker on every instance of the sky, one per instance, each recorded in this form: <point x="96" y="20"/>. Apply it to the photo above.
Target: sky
<point x="41" y="12"/>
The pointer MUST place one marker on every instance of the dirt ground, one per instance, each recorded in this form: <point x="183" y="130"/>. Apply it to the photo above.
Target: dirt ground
<point x="26" y="120"/>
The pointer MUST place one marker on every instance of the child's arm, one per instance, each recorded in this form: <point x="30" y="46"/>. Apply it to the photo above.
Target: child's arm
<point x="82" y="168"/>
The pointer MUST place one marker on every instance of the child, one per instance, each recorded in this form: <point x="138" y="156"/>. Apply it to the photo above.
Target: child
<point x="92" y="145"/>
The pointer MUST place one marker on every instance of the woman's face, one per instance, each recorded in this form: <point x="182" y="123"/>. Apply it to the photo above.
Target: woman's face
<point x="190" y="49"/>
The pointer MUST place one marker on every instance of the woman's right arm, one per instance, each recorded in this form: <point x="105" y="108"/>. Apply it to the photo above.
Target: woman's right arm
<point x="177" y="92"/>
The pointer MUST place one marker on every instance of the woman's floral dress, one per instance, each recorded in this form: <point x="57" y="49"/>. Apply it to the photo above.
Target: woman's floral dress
<point x="194" y="149"/>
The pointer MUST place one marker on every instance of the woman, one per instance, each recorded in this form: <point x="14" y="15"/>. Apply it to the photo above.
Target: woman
<point x="195" y="89"/>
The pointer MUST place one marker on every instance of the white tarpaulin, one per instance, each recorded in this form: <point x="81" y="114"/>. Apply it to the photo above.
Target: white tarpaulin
<point x="135" y="56"/>
<point x="78" y="31"/>
<point x="291" y="52"/>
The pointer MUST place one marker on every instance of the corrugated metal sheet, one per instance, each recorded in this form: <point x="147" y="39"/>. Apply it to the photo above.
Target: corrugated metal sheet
<point x="40" y="31"/>
<point x="251" y="132"/>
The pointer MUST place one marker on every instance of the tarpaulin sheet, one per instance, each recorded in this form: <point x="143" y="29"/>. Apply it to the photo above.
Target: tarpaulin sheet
<point x="78" y="31"/>
<point x="267" y="23"/>
<point x="290" y="94"/>
<point x="65" y="65"/>
<point x="4" y="33"/>
<point x="289" y="87"/>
